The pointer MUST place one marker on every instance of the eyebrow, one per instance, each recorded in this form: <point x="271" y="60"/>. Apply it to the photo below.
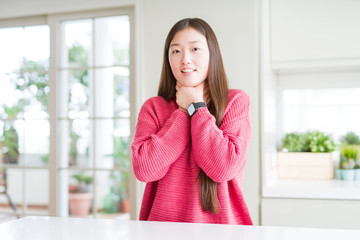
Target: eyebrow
<point x="191" y="42"/>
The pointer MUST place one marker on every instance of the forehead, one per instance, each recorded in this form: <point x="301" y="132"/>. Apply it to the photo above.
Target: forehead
<point x="187" y="36"/>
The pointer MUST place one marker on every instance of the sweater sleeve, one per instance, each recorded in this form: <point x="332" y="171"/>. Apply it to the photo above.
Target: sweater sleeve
<point x="157" y="145"/>
<point x="222" y="152"/>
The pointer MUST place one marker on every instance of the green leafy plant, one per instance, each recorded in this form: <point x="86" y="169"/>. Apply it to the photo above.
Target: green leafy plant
<point x="120" y="152"/>
<point x="121" y="160"/>
<point x="350" y="139"/>
<point x="10" y="145"/>
<point x="9" y="141"/>
<point x="311" y="141"/>
<point x="349" y="155"/>
<point x="84" y="180"/>
<point x="294" y="142"/>
<point x="317" y="141"/>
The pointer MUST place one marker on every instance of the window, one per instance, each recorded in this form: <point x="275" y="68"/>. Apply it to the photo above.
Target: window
<point x="65" y="117"/>
<point x="24" y="117"/>
<point x="94" y="114"/>
<point x="334" y="111"/>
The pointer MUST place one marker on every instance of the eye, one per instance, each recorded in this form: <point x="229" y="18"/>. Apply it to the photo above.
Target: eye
<point x="196" y="49"/>
<point x="175" y="51"/>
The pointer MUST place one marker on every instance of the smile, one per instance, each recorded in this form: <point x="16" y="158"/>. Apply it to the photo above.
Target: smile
<point x="187" y="70"/>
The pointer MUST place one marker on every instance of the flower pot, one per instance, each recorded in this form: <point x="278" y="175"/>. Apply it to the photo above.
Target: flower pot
<point x="80" y="204"/>
<point x="305" y="165"/>
<point x="125" y="204"/>
<point x="348" y="174"/>
<point x="338" y="174"/>
<point x="357" y="174"/>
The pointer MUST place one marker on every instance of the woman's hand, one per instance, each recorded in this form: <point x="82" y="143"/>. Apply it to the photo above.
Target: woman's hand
<point x="187" y="95"/>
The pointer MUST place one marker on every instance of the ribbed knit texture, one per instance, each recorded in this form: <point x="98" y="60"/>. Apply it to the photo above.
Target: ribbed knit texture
<point x="169" y="148"/>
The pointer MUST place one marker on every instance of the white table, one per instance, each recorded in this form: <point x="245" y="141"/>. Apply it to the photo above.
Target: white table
<point x="41" y="228"/>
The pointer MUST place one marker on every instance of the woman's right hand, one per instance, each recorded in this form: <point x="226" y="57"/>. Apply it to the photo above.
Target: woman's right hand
<point x="187" y="95"/>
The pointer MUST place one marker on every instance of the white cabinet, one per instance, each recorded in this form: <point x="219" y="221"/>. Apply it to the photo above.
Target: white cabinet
<point x="319" y="213"/>
<point x="313" y="30"/>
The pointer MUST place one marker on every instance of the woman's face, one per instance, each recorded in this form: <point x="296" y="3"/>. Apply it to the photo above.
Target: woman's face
<point x="189" y="57"/>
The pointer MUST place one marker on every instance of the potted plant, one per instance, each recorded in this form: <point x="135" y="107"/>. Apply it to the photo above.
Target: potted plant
<point x="357" y="171"/>
<point x="350" y="145"/>
<point x="9" y="141"/>
<point x="121" y="179"/>
<point x="350" y="138"/>
<point x="124" y="192"/>
<point x="80" y="197"/>
<point x="348" y="161"/>
<point x="117" y="200"/>
<point x="10" y="145"/>
<point x="306" y="156"/>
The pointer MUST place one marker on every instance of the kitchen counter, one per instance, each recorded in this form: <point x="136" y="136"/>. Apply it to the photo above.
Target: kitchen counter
<point x="54" y="228"/>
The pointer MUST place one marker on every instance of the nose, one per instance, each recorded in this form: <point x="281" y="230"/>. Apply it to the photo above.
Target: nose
<point x="186" y="59"/>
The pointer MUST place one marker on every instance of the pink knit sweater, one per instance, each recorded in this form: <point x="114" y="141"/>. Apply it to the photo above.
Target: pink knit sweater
<point x="169" y="149"/>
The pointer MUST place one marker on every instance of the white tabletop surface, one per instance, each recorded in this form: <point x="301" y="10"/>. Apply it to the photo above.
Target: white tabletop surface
<point x="54" y="228"/>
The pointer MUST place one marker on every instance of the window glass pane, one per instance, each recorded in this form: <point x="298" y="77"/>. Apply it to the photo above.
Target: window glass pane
<point x="15" y="187"/>
<point x="112" y="41"/>
<point x="78" y="94"/>
<point x="334" y="111"/>
<point x="11" y="48"/>
<point x="113" y="199"/>
<point x="75" y="94"/>
<point x="79" y="143"/>
<point x="80" y="193"/>
<point x="112" y="150"/>
<point x="74" y="148"/>
<point x="36" y="43"/>
<point x="37" y="198"/>
<point x="36" y="142"/>
<point x="112" y="92"/>
<point x="78" y="43"/>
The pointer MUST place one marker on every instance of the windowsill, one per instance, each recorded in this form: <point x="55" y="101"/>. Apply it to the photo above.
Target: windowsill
<point x="313" y="189"/>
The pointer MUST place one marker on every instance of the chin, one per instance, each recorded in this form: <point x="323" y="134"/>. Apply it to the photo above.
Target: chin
<point x="190" y="83"/>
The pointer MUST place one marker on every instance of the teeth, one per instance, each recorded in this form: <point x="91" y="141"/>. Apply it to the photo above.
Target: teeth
<point x="188" y="70"/>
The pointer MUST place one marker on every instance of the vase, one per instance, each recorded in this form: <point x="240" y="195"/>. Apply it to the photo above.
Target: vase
<point x="348" y="174"/>
<point x="80" y="204"/>
<point x="338" y="174"/>
<point x="357" y="174"/>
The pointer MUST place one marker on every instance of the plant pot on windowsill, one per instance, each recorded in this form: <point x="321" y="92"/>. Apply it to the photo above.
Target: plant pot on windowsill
<point x="349" y="168"/>
<point x="125" y="205"/>
<point x="305" y="165"/>
<point x="80" y="204"/>
<point x="80" y="197"/>
<point x="307" y="156"/>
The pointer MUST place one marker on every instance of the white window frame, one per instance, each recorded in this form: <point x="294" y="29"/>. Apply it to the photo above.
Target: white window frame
<point x="54" y="23"/>
<point x="27" y="22"/>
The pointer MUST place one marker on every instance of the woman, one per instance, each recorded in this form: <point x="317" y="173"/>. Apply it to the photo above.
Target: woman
<point x="191" y="141"/>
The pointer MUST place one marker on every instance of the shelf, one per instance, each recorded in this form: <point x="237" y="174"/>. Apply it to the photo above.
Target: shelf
<point x="313" y="189"/>
<point x="321" y="65"/>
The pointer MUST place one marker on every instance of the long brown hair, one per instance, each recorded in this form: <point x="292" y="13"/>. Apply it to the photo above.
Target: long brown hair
<point x="218" y="92"/>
